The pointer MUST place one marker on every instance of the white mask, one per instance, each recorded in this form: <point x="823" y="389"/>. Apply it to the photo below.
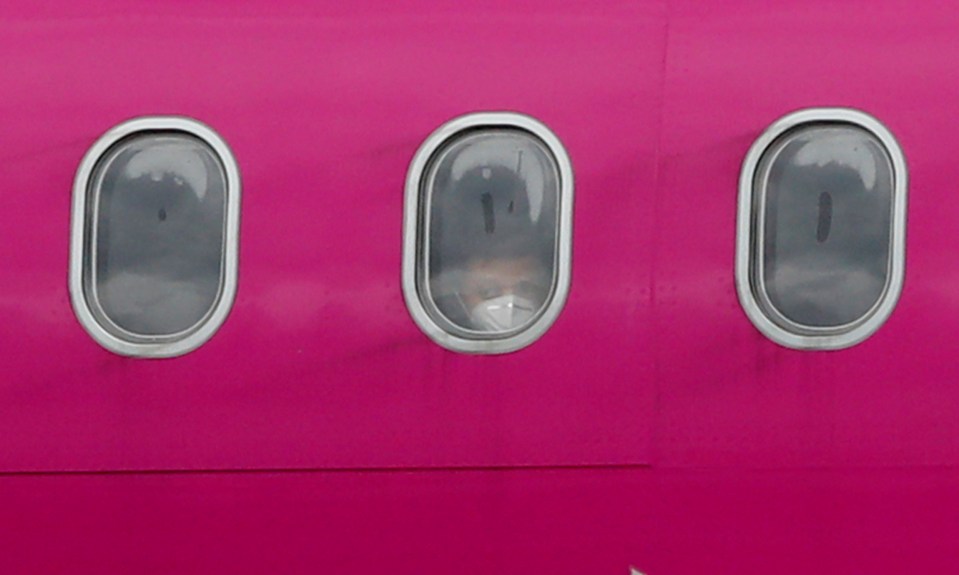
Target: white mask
<point x="502" y="313"/>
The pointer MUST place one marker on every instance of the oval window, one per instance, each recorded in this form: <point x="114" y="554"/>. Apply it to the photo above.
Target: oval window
<point x="489" y="199"/>
<point x="155" y="231"/>
<point x="822" y="222"/>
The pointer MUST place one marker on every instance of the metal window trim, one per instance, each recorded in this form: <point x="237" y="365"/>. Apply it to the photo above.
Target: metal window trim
<point x="748" y="234"/>
<point x="414" y="225"/>
<point x="146" y="346"/>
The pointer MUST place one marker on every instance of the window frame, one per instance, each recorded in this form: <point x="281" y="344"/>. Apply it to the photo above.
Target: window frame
<point x="750" y="229"/>
<point x="415" y="230"/>
<point x="149" y="346"/>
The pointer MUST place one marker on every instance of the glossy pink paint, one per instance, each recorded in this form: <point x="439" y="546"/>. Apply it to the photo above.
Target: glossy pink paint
<point x="659" y="428"/>
<point x="568" y="522"/>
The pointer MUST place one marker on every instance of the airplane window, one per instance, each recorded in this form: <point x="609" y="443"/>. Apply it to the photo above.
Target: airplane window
<point x="825" y="194"/>
<point x="158" y="237"/>
<point x="493" y="201"/>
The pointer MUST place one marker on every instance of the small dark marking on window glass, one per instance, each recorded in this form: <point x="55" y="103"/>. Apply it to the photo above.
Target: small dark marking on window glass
<point x="825" y="217"/>
<point x="489" y="218"/>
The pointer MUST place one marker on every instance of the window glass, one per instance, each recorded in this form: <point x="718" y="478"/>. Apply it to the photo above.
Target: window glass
<point x="157" y="234"/>
<point x="492" y="234"/>
<point x="827" y="194"/>
<point x="486" y="257"/>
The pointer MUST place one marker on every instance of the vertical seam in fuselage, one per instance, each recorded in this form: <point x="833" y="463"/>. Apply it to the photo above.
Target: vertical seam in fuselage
<point x="654" y="239"/>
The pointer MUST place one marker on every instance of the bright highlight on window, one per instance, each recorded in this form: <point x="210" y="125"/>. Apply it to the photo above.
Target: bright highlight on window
<point x="486" y="263"/>
<point x="153" y="269"/>
<point x="821" y="229"/>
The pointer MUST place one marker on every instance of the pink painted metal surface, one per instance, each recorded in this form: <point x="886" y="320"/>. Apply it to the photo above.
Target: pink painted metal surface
<point x="568" y="522"/>
<point x="890" y="401"/>
<point x="319" y="363"/>
<point x="732" y="454"/>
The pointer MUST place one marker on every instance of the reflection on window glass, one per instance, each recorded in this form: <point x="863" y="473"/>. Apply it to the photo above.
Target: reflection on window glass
<point x="491" y="244"/>
<point x="157" y="234"/>
<point x="828" y="197"/>
<point x="821" y="242"/>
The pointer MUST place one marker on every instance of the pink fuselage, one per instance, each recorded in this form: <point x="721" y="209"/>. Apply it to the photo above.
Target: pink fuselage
<point x="320" y="431"/>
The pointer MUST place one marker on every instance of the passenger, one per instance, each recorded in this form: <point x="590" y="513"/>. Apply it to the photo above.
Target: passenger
<point x="503" y="293"/>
